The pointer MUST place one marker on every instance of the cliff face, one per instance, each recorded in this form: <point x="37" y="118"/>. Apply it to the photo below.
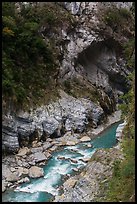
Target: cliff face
<point x="91" y="61"/>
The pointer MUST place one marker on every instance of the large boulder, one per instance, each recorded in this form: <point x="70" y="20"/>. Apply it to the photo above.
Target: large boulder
<point x="85" y="139"/>
<point x="36" y="172"/>
<point x="12" y="177"/>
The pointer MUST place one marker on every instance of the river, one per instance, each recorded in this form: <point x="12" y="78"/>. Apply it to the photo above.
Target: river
<point x="45" y="188"/>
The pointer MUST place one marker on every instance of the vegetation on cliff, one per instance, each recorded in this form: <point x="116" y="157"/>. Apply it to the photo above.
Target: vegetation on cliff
<point x="30" y="55"/>
<point x="122" y="185"/>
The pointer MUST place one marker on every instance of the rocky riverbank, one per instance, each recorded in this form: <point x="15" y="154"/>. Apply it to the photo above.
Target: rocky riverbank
<point x="86" y="186"/>
<point x="91" y="183"/>
<point x="28" y="162"/>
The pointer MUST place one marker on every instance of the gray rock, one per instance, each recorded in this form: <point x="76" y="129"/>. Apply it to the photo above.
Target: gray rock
<point x="47" y="145"/>
<point x="26" y="133"/>
<point x="48" y="155"/>
<point x="53" y="148"/>
<point x="37" y="149"/>
<point x="50" y="125"/>
<point x="12" y="177"/>
<point x="39" y="157"/>
<point x="36" y="172"/>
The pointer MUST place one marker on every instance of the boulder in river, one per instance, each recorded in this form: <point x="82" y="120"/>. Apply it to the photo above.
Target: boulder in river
<point x="36" y="172"/>
<point x="85" y="139"/>
<point x="73" y="160"/>
<point x="89" y="145"/>
<point x="61" y="157"/>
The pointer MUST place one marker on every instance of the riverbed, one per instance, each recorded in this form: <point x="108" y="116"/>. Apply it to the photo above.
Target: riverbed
<point x="64" y="163"/>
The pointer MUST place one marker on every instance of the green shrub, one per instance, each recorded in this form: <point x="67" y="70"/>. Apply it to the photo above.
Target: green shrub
<point x="117" y="18"/>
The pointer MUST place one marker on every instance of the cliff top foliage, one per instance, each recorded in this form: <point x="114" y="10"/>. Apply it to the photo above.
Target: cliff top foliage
<point x="29" y="62"/>
<point x="119" y="18"/>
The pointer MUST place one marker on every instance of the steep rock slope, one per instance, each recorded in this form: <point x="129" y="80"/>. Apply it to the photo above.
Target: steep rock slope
<point x="92" y="69"/>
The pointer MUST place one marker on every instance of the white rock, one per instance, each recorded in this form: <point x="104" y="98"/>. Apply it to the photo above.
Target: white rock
<point x="85" y="139"/>
<point x="89" y="145"/>
<point x="36" y="172"/>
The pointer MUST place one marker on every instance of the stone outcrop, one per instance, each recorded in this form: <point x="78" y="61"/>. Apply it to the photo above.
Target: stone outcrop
<point x="67" y="114"/>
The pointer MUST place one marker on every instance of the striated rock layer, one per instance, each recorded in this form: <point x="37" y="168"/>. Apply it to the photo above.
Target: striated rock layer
<point x="67" y="114"/>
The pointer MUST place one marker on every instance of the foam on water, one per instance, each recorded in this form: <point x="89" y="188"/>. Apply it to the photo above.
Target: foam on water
<point x="59" y="168"/>
<point x="42" y="189"/>
<point x="84" y="152"/>
<point x="45" y="185"/>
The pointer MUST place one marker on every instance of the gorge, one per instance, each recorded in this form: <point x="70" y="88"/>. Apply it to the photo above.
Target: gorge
<point x="66" y="68"/>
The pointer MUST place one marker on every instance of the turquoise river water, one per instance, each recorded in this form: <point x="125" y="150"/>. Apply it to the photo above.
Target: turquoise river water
<point x="45" y="188"/>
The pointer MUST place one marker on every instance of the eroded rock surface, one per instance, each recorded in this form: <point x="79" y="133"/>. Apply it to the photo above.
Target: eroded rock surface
<point x="85" y="187"/>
